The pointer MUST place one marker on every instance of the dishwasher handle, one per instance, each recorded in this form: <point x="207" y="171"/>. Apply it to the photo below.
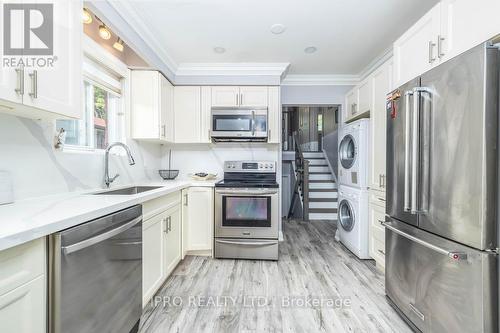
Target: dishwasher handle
<point x="99" y="238"/>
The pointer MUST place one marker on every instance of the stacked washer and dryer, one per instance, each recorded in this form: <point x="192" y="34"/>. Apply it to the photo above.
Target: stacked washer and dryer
<point x="353" y="197"/>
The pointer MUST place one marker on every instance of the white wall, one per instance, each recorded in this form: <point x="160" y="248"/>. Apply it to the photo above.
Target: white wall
<point x="292" y="95"/>
<point x="37" y="169"/>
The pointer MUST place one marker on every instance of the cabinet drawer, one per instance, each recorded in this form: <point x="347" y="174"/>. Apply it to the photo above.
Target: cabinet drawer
<point x="377" y="251"/>
<point x="21" y="264"/>
<point x="23" y="310"/>
<point x="377" y="199"/>
<point x="377" y="216"/>
<point x="159" y="205"/>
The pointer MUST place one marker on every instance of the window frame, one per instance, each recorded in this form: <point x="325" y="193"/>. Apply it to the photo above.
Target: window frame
<point x="97" y="53"/>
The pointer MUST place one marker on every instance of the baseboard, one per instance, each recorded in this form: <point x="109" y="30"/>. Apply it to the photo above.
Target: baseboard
<point x="202" y="253"/>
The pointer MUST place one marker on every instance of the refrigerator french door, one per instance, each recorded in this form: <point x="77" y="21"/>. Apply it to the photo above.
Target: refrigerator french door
<point x="442" y="161"/>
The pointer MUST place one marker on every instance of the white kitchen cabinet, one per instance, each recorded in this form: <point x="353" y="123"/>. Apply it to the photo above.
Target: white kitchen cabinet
<point x="152" y="106"/>
<point x="173" y="239"/>
<point x="225" y="96"/>
<point x="364" y="96"/>
<point x="50" y="91"/>
<point x="198" y="219"/>
<point x="153" y="256"/>
<point x="206" y="114"/>
<point x="244" y="96"/>
<point x="351" y="105"/>
<point x="376" y="216"/>
<point x="253" y="97"/>
<point x="187" y="118"/>
<point x="24" y="309"/>
<point x="23" y="287"/>
<point x="465" y="24"/>
<point x="274" y="115"/>
<point x="381" y="86"/>
<point x="415" y="51"/>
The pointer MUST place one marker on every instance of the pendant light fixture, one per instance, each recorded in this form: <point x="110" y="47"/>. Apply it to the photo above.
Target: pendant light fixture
<point x="86" y="16"/>
<point x="118" y="44"/>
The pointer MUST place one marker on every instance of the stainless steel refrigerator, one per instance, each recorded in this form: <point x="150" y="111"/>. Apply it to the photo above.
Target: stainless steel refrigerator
<point x="441" y="224"/>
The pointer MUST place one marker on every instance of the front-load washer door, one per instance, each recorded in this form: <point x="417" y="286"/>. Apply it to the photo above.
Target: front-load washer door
<point x="346" y="215"/>
<point x="347" y="152"/>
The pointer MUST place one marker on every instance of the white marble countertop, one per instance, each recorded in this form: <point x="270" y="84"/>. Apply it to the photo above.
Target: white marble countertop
<point x="33" y="218"/>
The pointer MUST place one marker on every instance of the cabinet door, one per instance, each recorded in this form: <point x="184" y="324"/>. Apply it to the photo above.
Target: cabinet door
<point x="145" y="102"/>
<point x="58" y="89"/>
<point x="23" y="310"/>
<point x="274" y="115"/>
<point x="253" y="96"/>
<point x="225" y="96"/>
<point x="381" y="80"/>
<point x="187" y="107"/>
<point x="10" y="85"/>
<point x="200" y="203"/>
<point x="465" y="24"/>
<point x="206" y="115"/>
<point x="364" y="96"/>
<point x="166" y="110"/>
<point x="173" y="248"/>
<point x="351" y="104"/>
<point x="153" y="257"/>
<point x="185" y="221"/>
<point x="416" y="51"/>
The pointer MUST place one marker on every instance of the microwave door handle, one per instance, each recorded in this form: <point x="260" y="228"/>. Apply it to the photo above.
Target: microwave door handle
<point x="253" y="123"/>
<point x="408" y="116"/>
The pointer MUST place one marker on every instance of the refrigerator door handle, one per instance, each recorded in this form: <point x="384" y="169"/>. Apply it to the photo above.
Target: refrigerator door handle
<point x="415" y="156"/>
<point x="454" y="255"/>
<point x="408" y="95"/>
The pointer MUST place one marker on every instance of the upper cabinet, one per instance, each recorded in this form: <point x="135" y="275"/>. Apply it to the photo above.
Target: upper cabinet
<point x="151" y="104"/>
<point x="416" y="51"/>
<point x="274" y="115"/>
<point x="358" y="102"/>
<point x="192" y="114"/>
<point x="351" y="104"/>
<point x="234" y="96"/>
<point x="448" y="29"/>
<point x="52" y="88"/>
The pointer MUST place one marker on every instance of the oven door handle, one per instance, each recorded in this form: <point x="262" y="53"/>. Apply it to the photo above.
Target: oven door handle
<point x="244" y="243"/>
<point x="246" y="192"/>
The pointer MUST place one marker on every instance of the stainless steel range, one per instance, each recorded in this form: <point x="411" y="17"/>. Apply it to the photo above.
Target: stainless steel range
<point x="246" y="211"/>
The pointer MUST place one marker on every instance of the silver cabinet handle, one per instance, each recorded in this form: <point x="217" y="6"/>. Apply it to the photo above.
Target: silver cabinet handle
<point x="34" y="84"/>
<point x="354" y="107"/>
<point x="241" y="99"/>
<point x="20" y="81"/>
<point x="163" y="131"/>
<point x="170" y="223"/>
<point x="431" y="52"/>
<point x="165" y="225"/>
<point x="440" y="46"/>
<point x="253" y="122"/>
<point x="99" y="238"/>
<point x="185" y="199"/>
<point x="406" y="195"/>
<point x="381" y="252"/>
<point x="455" y="255"/>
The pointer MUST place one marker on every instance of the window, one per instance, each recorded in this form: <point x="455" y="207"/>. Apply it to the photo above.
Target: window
<point x="320" y="122"/>
<point x="101" y="121"/>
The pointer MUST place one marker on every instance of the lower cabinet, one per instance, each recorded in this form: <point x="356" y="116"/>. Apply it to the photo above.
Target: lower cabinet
<point x="23" y="288"/>
<point x="376" y="216"/>
<point x="161" y="250"/>
<point x="197" y="220"/>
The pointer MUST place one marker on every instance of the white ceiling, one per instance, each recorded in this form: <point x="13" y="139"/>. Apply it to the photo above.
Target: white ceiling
<point x="348" y="34"/>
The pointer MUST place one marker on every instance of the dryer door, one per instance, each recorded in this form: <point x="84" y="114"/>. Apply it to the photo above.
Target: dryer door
<point x="347" y="151"/>
<point x="346" y="215"/>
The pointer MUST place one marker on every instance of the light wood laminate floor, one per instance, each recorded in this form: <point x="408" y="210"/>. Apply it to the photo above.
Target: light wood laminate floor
<point x="345" y="294"/>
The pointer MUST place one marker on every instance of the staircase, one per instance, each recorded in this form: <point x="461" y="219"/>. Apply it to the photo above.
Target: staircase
<point x="322" y="188"/>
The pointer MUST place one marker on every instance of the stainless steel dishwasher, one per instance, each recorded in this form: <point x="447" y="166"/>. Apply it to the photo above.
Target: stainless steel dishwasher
<point x="95" y="275"/>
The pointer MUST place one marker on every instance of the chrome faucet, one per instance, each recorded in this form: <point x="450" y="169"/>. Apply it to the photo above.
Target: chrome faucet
<point x="108" y="180"/>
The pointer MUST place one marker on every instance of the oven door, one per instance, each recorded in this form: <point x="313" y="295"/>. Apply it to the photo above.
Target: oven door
<point x="246" y="213"/>
<point x="242" y="124"/>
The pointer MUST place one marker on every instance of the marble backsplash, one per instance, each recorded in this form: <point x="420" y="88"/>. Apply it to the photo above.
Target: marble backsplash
<point x="37" y="169"/>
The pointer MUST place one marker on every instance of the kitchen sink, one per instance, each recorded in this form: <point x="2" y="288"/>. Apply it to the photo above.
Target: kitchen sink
<point x="128" y="190"/>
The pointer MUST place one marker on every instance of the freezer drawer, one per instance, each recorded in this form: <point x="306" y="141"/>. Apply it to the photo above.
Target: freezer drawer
<point x="239" y="248"/>
<point x="439" y="285"/>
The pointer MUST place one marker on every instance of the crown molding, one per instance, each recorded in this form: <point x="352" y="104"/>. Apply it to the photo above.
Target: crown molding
<point x="231" y="73"/>
<point x="320" y="80"/>
<point x="376" y="63"/>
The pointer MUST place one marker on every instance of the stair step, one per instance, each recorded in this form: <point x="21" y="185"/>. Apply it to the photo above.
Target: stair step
<point x="322" y="199"/>
<point x="319" y="168"/>
<point x="317" y="162"/>
<point x="323" y="190"/>
<point x="323" y="205"/>
<point x="323" y="210"/>
<point x="323" y="216"/>
<point x="321" y="176"/>
<point x="319" y="173"/>
<point x="329" y="195"/>
<point x="321" y="181"/>
<point x="322" y="185"/>
<point x="313" y="154"/>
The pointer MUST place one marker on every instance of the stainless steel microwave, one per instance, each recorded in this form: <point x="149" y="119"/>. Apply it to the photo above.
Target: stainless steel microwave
<point x="234" y="124"/>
